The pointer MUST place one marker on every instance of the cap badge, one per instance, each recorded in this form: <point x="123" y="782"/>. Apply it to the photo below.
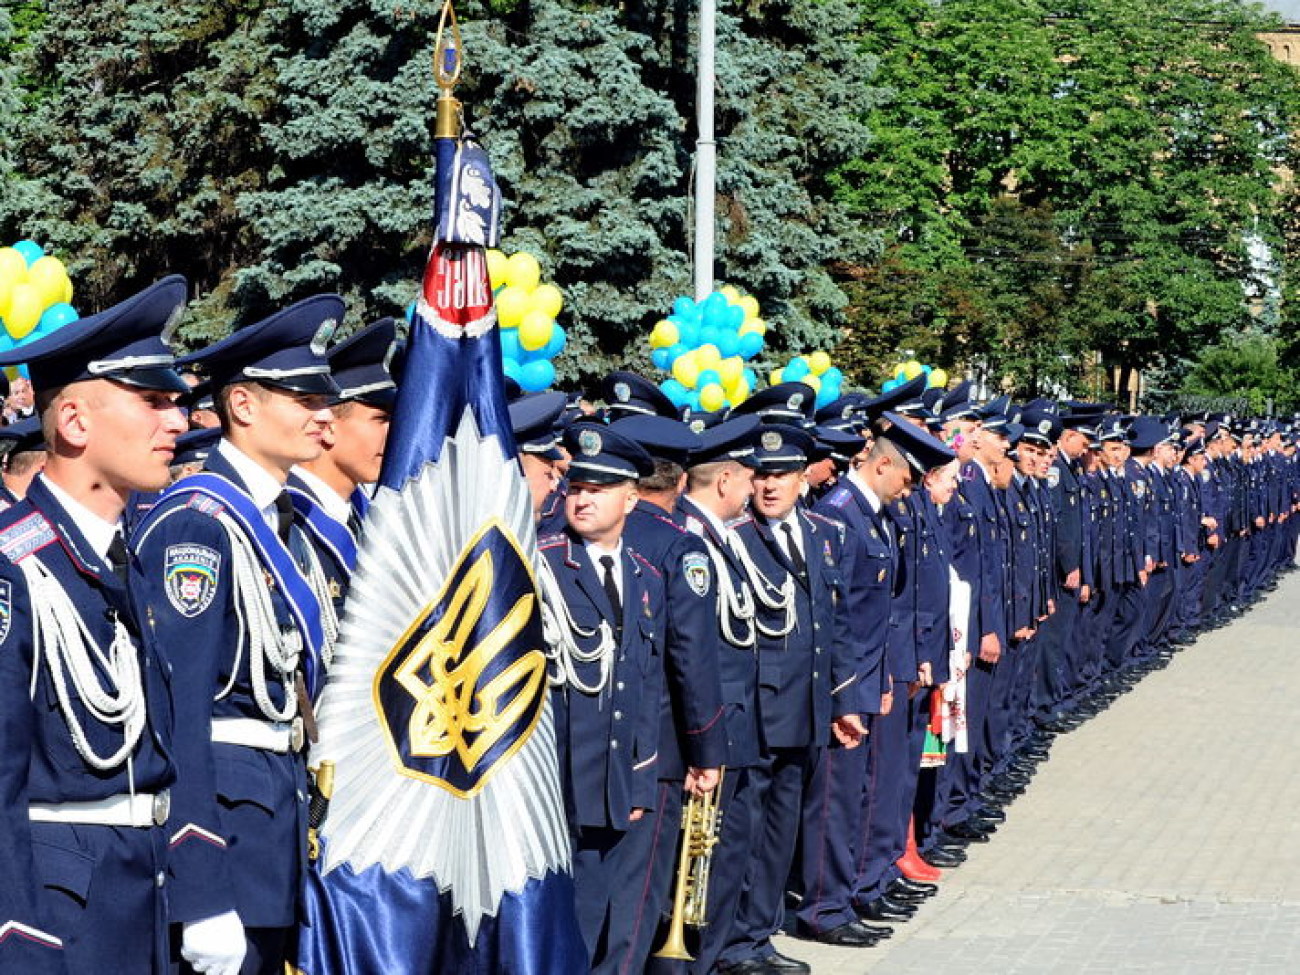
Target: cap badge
<point x="1045" y="426"/>
<point x="589" y="443"/>
<point x="771" y="440"/>
<point x="321" y="340"/>
<point x="795" y="402"/>
<point x="622" y="392"/>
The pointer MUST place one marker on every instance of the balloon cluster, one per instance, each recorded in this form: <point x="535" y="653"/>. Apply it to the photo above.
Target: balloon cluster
<point x="526" y="311"/>
<point x="705" y="346"/>
<point x="909" y="370"/>
<point x="815" y="370"/>
<point x="35" y="292"/>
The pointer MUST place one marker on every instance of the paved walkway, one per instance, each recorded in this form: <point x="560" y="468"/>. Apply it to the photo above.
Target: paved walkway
<point x="1163" y="836"/>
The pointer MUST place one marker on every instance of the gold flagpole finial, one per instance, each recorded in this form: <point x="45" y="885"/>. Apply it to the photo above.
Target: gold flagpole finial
<point x="447" y="61"/>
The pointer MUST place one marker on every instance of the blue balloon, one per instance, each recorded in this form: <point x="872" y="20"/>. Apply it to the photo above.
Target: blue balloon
<point x="693" y="399"/>
<point x="716" y="316"/>
<point x="834" y="375"/>
<point x="715" y="302"/>
<point x="686" y="309"/>
<point x="927" y="369"/>
<point x="555" y="345"/>
<point x="706" y="377"/>
<point x="735" y="317"/>
<point x="751" y="377"/>
<point x="56" y="316"/>
<point x="796" y="370"/>
<point x="901" y="376"/>
<point x="688" y="335"/>
<point x="888" y="385"/>
<point x="728" y="344"/>
<point x="511" y="368"/>
<point x="661" y="359"/>
<point x="826" y="394"/>
<point x="536" y="376"/>
<point x="681" y="348"/>
<point x="31" y="251"/>
<point x="675" y="391"/>
<point x="510" y="347"/>
<point x="709" y="335"/>
<point x="6" y="341"/>
<point x="750" y="344"/>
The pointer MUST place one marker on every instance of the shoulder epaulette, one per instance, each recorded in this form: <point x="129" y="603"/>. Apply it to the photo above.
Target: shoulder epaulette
<point x="839" y="497"/>
<point x="205" y="505"/>
<point x="552" y="541"/>
<point x="25" y="536"/>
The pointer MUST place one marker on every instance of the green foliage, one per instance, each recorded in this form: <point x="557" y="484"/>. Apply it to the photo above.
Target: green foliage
<point x="1146" y="132"/>
<point x="1245" y="365"/>
<point x="269" y="151"/>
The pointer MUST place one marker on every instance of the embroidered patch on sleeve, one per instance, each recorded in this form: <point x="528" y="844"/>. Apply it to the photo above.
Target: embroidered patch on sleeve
<point x="695" y="566"/>
<point x="190" y="575"/>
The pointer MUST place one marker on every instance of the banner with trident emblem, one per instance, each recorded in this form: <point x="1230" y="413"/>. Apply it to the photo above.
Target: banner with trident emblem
<point x="445" y="848"/>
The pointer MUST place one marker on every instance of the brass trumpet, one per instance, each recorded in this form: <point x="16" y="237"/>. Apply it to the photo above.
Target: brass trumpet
<point x="701" y="828"/>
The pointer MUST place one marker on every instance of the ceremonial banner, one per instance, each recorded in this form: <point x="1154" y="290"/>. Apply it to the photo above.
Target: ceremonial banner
<point x="445" y="848"/>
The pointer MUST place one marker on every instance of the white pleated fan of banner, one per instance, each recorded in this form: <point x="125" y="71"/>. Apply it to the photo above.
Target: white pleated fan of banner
<point x="513" y="829"/>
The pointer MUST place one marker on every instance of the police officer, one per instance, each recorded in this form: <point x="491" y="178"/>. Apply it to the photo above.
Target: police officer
<point x="329" y="490"/>
<point x="796" y="566"/>
<point x="225" y="568"/>
<point x="23" y="444"/>
<point x="605" y="627"/>
<point x="88" y="722"/>
<point x="693" y="733"/>
<point x="839" y="786"/>
<point x="533" y="419"/>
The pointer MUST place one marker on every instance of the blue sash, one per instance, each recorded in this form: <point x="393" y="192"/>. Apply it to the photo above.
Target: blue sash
<point x="272" y="552"/>
<point x="334" y="538"/>
<point x="360" y="503"/>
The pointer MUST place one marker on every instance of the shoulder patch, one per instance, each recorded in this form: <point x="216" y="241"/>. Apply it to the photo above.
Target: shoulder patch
<point x="696" y="569"/>
<point x="190" y="576"/>
<point x="205" y="505"/>
<point x="839" y="497"/>
<point x="24" y="537"/>
<point x="1053" y="476"/>
<point x="551" y="541"/>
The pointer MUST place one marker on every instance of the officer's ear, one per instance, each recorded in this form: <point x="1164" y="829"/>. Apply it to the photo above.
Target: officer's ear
<point x="630" y="501"/>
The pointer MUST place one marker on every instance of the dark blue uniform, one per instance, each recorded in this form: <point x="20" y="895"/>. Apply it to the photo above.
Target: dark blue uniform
<point x="240" y="809"/>
<point x="795" y="670"/>
<point x="608" y="740"/>
<point x="76" y="897"/>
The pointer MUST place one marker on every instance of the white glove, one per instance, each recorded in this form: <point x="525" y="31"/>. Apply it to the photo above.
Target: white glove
<point x="215" y="945"/>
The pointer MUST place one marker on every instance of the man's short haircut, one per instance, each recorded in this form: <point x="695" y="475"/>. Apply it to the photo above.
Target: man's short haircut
<point x="704" y="475"/>
<point x="665" y="477"/>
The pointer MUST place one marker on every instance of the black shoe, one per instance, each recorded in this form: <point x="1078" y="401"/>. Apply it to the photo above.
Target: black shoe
<point x="944" y="859"/>
<point x="777" y="962"/>
<point x="750" y="966"/>
<point x="918" y="888"/>
<point x="988" y="812"/>
<point x="855" y="934"/>
<point x="883" y="909"/>
<point x="969" y="831"/>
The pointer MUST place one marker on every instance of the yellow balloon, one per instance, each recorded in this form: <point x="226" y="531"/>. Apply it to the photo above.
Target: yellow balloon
<point x="708" y="356"/>
<point x="50" y="278"/>
<point x="13" y="266"/>
<point x="939" y="379"/>
<point x="738" y="391"/>
<point x="712" y="397"/>
<point x="750" y="304"/>
<point x="663" y="335"/>
<point x="496" y="262"/>
<point x="6" y="295"/>
<point x="686" y="370"/>
<point x="819" y="362"/>
<point x="523" y="271"/>
<point x="549" y="299"/>
<point x="912" y="369"/>
<point x="512" y="306"/>
<point x="731" y="293"/>
<point x="757" y="325"/>
<point x="25" y="309"/>
<point x="67" y="290"/>
<point x="813" y="381"/>
<point x="730" y="370"/>
<point x="535" y="330"/>
<point x="776" y="377"/>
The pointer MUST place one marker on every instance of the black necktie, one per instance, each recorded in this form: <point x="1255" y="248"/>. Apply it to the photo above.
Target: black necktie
<point x="796" y="557"/>
<point x="354" y="521"/>
<point x="611" y="592"/>
<point x="117" y="556"/>
<point x="283" y="516"/>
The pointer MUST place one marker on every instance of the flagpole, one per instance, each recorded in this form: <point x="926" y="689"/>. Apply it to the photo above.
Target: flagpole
<point x="706" y="153"/>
